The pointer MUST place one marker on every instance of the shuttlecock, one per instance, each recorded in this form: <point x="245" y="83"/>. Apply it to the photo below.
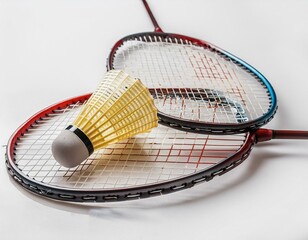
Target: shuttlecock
<point x="120" y="108"/>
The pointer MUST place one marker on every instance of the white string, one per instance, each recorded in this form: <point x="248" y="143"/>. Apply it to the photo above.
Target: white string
<point x="166" y="63"/>
<point x="161" y="155"/>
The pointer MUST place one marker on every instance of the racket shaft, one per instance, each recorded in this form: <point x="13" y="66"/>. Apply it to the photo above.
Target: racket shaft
<point x="156" y="26"/>
<point x="268" y="134"/>
<point x="289" y="134"/>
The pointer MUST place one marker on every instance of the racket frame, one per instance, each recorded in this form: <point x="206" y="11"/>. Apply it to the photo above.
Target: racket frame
<point x="111" y="195"/>
<point x="197" y="126"/>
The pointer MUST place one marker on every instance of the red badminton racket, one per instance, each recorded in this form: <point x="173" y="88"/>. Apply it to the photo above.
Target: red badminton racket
<point x="197" y="86"/>
<point x="152" y="164"/>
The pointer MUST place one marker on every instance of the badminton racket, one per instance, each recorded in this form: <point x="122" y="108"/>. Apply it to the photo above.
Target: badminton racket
<point x="167" y="62"/>
<point x="163" y="161"/>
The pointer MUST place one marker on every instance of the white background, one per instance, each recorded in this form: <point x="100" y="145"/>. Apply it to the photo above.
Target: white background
<point x="52" y="50"/>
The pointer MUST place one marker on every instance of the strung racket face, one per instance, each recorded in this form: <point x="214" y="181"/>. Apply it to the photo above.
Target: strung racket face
<point x="167" y="61"/>
<point x="162" y="161"/>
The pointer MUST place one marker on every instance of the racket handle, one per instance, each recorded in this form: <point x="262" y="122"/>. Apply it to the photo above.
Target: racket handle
<point x="263" y="135"/>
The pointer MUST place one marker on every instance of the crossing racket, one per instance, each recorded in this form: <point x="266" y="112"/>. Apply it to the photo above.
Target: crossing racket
<point x="205" y="79"/>
<point x="152" y="164"/>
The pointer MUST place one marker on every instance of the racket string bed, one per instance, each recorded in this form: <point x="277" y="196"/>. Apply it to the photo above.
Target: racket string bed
<point x="166" y="61"/>
<point x="158" y="157"/>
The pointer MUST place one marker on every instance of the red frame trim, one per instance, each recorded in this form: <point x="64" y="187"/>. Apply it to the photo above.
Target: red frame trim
<point x="27" y="124"/>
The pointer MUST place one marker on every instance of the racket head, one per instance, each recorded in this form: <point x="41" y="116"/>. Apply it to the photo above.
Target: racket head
<point x="160" y="162"/>
<point x="172" y="61"/>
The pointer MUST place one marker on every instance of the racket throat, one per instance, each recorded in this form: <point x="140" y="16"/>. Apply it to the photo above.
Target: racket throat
<point x="263" y="135"/>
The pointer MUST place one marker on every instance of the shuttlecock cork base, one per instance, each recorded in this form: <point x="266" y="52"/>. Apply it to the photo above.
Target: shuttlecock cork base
<point x="120" y="108"/>
<point x="69" y="149"/>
